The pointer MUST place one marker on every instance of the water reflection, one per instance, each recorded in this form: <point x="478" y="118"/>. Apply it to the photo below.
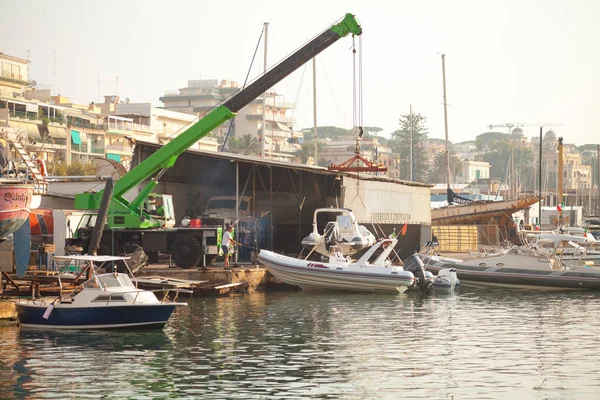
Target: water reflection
<point x="475" y="344"/>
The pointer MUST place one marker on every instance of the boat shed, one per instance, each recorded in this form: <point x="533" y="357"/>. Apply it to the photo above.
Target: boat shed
<point x="283" y="196"/>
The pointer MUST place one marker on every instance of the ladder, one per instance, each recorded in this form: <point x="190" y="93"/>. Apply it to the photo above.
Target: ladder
<point x="40" y="184"/>
<point x="35" y="172"/>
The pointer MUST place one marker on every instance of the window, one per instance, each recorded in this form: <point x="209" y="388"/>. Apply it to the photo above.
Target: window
<point x="110" y="280"/>
<point x="16" y="71"/>
<point x="109" y="297"/>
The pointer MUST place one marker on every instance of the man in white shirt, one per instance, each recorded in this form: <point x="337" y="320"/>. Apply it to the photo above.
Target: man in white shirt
<point x="225" y="244"/>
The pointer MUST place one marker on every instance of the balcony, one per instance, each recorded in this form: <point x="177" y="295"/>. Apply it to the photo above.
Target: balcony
<point x="269" y="117"/>
<point x="13" y="78"/>
<point x="120" y="148"/>
<point x="97" y="148"/>
<point x="137" y="128"/>
<point x="33" y="116"/>
<point x="80" y="148"/>
<point x="85" y="124"/>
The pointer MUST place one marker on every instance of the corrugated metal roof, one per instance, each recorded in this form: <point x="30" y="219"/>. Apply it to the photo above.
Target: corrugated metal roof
<point x="285" y="164"/>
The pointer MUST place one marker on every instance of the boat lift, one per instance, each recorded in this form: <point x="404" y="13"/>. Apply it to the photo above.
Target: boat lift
<point x="367" y="166"/>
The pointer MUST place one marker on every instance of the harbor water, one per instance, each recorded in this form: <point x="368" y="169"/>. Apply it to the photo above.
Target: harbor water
<point x="474" y="344"/>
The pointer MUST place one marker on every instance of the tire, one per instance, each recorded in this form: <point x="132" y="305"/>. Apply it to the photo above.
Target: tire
<point x="186" y="251"/>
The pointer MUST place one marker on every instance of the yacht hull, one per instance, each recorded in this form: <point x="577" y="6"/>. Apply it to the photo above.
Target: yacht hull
<point x="64" y="316"/>
<point x="507" y="276"/>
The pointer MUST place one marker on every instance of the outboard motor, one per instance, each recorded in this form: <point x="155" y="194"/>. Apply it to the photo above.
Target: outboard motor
<point x="446" y="279"/>
<point x="415" y="265"/>
<point x="331" y="234"/>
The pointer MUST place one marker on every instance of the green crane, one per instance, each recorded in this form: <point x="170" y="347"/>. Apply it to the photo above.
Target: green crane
<point x="125" y="214"/>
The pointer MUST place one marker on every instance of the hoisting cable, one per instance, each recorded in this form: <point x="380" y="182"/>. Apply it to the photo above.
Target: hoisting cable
<point x="354" y="118"/>
<point x="360" y="83"/>
<point x="244" y="86"/>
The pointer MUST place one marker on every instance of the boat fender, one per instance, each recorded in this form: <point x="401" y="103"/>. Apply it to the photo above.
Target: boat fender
<point x="48" y="311"/>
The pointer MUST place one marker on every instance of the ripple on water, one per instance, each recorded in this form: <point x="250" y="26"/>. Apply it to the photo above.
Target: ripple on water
<point x="477" y="344"/>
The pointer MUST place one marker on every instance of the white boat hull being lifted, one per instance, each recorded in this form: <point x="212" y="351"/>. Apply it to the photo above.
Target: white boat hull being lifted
<point x="344" y="232"/>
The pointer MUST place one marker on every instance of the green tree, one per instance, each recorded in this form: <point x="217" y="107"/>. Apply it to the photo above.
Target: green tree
<point x="525" y="169"/>
<point x="401" y="142"/>
<point x="331" y="132"/>
<point x="308" y="150"/>
<point x="498" y="156"/>
<point x="247" y="145"/>
<point x="486" y="141"/>
<point x="76" y="168"/>
<point x="438" y="173"/>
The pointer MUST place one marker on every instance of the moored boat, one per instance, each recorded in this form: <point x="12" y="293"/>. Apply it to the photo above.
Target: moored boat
<point x="371" y="273"/>
<point x="517" y="267"/>
<point x="15" y="203"/>
<point x="105" y="301"/>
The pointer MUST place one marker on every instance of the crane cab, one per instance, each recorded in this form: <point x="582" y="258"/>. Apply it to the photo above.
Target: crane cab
<point x="159" y="207"/>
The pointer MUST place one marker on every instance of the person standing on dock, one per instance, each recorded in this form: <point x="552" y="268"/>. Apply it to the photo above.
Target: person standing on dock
<point x="225" y="245"/>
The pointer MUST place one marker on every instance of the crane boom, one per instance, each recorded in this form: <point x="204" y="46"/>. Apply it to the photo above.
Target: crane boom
<point x="165" y="157"/>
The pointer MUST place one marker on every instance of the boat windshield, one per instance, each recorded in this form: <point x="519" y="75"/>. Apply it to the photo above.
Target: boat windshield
<point x="115" y="280"/>
<point x="92" y="283"/>
<point x="344" y="222"/>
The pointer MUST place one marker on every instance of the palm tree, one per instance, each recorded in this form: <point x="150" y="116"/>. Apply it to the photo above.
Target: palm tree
<point x="308" y="150"/>
<point x="438" y="173"/>
<point x="247" y="145"/>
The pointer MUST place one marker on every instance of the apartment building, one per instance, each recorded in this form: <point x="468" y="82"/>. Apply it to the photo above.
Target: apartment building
<point x="14" y="76"/>
<point x="161" y="125"/>
<point x="473" y="171"/>
<point x="201" y="96"/>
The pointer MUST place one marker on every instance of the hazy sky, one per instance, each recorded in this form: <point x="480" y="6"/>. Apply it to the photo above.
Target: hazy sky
<point x="506" y="61"/>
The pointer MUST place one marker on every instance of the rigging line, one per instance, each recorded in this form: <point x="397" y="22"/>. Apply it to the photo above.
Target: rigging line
<point x="298" y="92"/>
<point x="337" y="108"/>
<point x="231" y="124"/>
<point x="360" y="83"/>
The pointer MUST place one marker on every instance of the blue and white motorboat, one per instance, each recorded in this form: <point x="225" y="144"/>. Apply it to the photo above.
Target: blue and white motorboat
<point x="105" y="301"/>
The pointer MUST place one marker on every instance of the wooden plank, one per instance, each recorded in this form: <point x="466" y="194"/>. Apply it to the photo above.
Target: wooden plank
<point x="229" y="285"/>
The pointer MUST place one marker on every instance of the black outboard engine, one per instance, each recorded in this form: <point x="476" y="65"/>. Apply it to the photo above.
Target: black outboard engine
<point x="415" y="265"/>
<point x="331" y="234"/>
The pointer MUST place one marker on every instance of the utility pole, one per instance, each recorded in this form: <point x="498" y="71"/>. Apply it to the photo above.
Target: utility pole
<point x="99" y="98"/>
<point x="315" y="133"/>
<point x="446" y="121"/>
<point x="264" y="103"/>
<point x="54" y="72"/>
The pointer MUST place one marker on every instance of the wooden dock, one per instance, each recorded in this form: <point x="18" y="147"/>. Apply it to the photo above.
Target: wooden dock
<point x="184" y="287"/>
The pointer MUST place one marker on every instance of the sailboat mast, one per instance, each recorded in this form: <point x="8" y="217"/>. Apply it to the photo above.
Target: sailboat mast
<point x="446" y="121"/>
<point x="315" y="133"/>
<point x="540" y="183"/>
<point x="410" y="165"/>
<point x="264" y="102"/>
<point x="560" y="180"/>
